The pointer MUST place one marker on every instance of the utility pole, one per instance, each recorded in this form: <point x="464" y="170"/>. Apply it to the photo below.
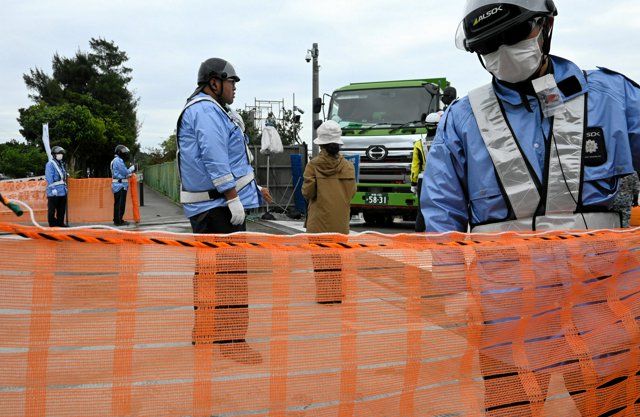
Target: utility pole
<point x="312" y="55"/>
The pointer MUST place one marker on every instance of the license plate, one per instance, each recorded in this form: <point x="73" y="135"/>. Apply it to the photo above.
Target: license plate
<point x="375" y="199"/>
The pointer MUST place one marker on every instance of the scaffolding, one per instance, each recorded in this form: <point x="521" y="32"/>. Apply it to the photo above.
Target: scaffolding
<point x="262" y="109"/>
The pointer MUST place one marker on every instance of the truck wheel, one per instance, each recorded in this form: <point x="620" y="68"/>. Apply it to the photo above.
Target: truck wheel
<point x="373" y="218"/>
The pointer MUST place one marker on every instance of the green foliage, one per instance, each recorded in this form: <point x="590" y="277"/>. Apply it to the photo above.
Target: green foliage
<point x="254" y="134"/>
<point x="19" y="160"/>
<point x="170" y="147"/>
<point x="87" y="104"/>
<point x="287" y="128"/>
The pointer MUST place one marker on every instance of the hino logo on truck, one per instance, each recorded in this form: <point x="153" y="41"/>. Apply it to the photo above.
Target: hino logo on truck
<point x="376" y="153"/>
<point x="487" y="14"/>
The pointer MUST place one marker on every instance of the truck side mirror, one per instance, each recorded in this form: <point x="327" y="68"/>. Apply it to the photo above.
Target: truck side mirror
<point x="432" y="88"/>
<point x="317" y="105"/>
<point x="448" y="95"/>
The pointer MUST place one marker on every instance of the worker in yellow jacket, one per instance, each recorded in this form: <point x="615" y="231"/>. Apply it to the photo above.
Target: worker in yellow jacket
<point x="419" y="161"/>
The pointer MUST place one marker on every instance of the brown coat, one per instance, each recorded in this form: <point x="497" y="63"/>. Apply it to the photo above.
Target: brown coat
<point x="329" y="185"/>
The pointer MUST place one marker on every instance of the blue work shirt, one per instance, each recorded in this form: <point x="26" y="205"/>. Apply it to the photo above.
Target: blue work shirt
<point x="52" y="175"/>
<point x="119" y="171"/>
<point x="460" y="179"/>
<point x="212" y="156"/>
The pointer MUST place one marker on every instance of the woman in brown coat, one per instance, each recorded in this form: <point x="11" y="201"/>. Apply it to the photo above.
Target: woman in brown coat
<point x="329" y="185"/>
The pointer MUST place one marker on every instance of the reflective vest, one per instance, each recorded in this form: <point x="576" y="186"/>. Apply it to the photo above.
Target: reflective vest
<point x="200" y="196"/>
<point x="560" y="209"/>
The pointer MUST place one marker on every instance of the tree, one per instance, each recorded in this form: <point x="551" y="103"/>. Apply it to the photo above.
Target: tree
<point x="170" y="147"/>
<point x="19" y="160"/>
<point x="288" y="127"/>
<point x="87" y="104"/>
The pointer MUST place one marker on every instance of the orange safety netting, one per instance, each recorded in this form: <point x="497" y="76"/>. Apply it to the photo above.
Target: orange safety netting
<point x="90" y="200"/>
<point x="113" y="323"/>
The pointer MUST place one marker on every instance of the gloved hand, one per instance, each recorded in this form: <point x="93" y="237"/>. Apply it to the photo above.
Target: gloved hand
<point x="54" y="192"/>
<point x="132" y="168"/>
<point x="237" y="211"/>
<point x="414" y="189"/>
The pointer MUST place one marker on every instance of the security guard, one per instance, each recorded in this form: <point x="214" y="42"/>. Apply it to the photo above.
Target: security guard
<point x="419" y="161"/>
<point x="217" y="185"/>
<point x="543" y="146"/>
<point x="216" y="176"/>
<point x="57" y="189"/>
<point x="120" y="183"/>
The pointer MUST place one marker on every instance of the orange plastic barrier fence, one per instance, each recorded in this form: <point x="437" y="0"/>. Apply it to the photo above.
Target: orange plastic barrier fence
<point x="114" y="323"/>
<point x="90" y="200"/>
<point x="635" y="216"/>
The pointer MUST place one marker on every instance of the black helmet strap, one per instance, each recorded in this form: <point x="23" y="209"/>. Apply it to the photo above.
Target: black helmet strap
<point x="547" y="33"/>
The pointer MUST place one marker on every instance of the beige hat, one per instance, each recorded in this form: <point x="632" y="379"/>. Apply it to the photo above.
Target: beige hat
<point x="329" y="132"/>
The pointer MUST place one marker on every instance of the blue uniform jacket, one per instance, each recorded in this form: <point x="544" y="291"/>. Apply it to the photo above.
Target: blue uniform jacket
<point x="460" y="180"/>
<point x="52" y="175"/>
<point x="119" y="171"/>
<point x="213" y="154"/>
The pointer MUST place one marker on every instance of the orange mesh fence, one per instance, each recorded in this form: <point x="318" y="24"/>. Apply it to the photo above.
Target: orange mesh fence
<point x="114" y="323"/>
<point x="90" y="200"/>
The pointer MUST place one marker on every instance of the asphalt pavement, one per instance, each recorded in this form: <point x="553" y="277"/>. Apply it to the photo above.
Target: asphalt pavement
<point x="162" y="214"/>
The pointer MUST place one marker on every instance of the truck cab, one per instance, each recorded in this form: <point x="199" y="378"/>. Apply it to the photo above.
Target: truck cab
<point x="380" y="122"/>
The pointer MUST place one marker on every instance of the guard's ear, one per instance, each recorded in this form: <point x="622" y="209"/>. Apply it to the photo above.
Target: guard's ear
<point x="213" y="85"/>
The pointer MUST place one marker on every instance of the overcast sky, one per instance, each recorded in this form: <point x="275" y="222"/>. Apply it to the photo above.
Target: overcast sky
<point x="267" y="40"/>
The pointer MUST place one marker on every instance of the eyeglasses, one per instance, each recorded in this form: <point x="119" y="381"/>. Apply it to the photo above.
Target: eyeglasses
<point x="231" y="80"/>
<point x="510" y="36"/>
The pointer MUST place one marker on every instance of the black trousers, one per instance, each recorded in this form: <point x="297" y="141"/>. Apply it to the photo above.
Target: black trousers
<point x="57" y="208"/>
<point x="420" y="225"/>
<point x="216" y="220"/>
<point x="119" y="205"/>
<point x="223" y="318"/>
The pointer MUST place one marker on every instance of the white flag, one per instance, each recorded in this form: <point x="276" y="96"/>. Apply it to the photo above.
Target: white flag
<point x="45" y="140"/>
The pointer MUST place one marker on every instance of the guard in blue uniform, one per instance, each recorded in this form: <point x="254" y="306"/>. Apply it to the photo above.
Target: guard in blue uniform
<point x="120" y="184"/>
<point x="217" y="185"/>
<point x="57" y="189"/>
<point x="543" y="146"/>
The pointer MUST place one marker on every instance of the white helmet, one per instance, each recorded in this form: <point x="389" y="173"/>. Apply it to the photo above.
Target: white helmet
<point x="433" y="118"/>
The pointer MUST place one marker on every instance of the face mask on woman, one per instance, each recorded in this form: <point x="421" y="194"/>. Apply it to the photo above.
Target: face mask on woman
<point x="59" y="156"/>
<point x="515" y="63"/>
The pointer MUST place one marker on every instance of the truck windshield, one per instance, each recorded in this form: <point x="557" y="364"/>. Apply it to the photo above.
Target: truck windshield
<point x="393" y="106"/>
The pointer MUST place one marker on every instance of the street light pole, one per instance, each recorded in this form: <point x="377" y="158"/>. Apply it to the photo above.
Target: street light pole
<point x="315" y="71"/>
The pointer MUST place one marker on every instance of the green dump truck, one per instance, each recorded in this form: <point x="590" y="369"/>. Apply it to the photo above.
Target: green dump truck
<point x="380" y="122"/>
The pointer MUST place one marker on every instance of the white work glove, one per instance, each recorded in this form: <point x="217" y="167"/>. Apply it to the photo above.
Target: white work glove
<point x="237" y="211"/>
<point x="132" y="168"/>
<point x="414" y="189"/>
<point x="54" y="192"/>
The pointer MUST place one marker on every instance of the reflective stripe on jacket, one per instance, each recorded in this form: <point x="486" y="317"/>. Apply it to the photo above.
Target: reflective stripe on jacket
<point x="461" y="186"/>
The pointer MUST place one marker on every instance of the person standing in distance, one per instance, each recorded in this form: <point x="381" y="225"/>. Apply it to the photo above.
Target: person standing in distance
<point x="57" y="189"/>
<point x="217" y="185"/>
<point x="419" y="161"/>
<point x="120" y="183"/>
<point x="329" y="185"/>
<point x="544" y="146"/>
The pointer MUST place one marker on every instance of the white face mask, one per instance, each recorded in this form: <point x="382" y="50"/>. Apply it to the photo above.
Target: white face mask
<point x="515" y="63"/>
<point x="59" y="156"/>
